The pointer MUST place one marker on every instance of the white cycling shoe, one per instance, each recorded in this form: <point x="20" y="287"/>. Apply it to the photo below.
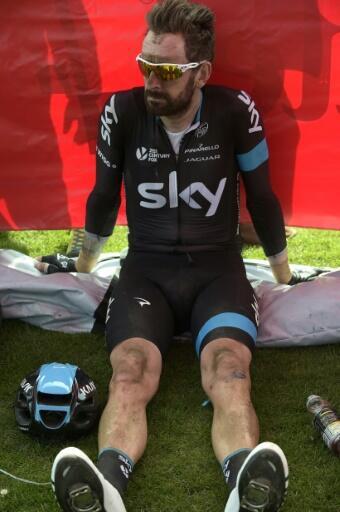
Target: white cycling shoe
<point x="262" y="481"/>
<point x="80" y="487"/>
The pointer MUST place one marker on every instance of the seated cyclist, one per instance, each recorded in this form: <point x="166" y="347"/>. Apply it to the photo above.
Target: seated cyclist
<point x="180" y="146"/>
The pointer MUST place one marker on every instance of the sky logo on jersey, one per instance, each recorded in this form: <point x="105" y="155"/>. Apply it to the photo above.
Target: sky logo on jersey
<point x="156" y="200"/>
<point x="254" y="115"/>
<point x="107" y="119"/>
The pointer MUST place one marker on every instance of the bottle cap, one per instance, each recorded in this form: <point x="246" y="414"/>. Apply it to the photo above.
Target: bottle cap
<point x="312" y="399"/>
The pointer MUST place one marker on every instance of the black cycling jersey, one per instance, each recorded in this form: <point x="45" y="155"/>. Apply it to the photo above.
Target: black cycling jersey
<point x="189" y="202"/>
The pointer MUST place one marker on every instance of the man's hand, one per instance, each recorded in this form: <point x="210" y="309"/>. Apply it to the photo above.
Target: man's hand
<point x="301" y="276"/>
<point x="284" y="275"/>
<point x="55" y="263"/>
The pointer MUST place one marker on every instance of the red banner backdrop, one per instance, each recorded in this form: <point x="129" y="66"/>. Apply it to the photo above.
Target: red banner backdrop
<point x="60" y="59"/>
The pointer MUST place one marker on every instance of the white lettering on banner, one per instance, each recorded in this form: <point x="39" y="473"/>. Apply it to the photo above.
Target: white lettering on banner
<point x="158" y="200"/>
<point x="107" y="119"/>
<point x="254" y="115"/>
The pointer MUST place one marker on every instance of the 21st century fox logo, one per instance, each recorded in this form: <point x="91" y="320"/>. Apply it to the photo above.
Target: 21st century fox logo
<point x="150" y="155"/>
<point x="142" y="153"/>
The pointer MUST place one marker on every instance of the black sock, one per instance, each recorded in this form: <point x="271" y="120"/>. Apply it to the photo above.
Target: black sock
<point x="232" y="465"/>
<point x="116" y="467"/>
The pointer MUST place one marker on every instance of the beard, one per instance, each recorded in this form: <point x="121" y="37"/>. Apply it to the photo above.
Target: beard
<point x="161" y="103"/>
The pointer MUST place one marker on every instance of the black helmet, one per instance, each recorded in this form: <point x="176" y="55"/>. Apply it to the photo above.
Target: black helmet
<point x="57" y="400"/>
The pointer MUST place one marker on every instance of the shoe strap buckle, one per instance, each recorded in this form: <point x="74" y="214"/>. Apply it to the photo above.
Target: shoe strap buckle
<point x="78" y="498"/>
<point x="256" y="498"/>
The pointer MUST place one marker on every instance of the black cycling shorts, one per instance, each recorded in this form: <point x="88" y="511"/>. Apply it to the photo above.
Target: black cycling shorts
<point x="161" y="295"/>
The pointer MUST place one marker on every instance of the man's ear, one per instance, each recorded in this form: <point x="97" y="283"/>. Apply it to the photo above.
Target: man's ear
<point x="203" y="74"/>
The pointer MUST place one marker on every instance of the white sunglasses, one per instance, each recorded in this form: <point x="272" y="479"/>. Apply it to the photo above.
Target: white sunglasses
<point x="165" y="70"/>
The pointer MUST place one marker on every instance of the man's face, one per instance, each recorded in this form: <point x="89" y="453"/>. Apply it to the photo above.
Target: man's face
<point x="173" y="97"/>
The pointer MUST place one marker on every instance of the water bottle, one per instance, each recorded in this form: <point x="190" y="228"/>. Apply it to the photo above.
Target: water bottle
<point x="326" y="421"/>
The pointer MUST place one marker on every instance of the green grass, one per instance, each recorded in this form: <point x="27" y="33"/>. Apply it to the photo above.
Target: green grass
<point x="178" y="471"/>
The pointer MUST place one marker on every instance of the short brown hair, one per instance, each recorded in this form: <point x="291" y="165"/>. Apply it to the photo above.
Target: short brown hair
<point x="194" y="21"/>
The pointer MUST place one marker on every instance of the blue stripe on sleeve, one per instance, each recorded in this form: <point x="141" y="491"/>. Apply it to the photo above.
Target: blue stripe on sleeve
<point x="255" y="157"/>
<point x="226" y="320"/>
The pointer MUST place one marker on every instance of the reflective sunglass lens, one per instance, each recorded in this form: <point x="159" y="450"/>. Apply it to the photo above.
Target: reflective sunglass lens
<point x="144" y="68"/>
<point x="171" y="72"/>
<point x="162" y="72"/>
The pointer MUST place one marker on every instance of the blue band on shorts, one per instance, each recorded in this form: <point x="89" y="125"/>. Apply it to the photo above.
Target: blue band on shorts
<point x="255" y="157"/>
<point x="226" y="320"/>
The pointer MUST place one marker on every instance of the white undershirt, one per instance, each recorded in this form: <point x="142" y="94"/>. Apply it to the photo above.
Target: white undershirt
<point x="176" y="137"/>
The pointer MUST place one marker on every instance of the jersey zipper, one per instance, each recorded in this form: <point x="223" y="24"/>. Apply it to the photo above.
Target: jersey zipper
<point x="177" y="159"/>
<point x="182" y="147"/>
<point x="174" y="159"/>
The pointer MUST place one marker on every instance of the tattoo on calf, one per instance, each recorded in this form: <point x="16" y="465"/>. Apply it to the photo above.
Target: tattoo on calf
<point x="239" y="374"/>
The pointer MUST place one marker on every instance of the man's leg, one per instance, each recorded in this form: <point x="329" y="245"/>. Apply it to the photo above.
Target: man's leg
<point x="136" y="306"/>
<point x="136" y="369"/>
<point x="226" y="380"/>
<point x="256" y="475"/>
<point x="79" y="485"/>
